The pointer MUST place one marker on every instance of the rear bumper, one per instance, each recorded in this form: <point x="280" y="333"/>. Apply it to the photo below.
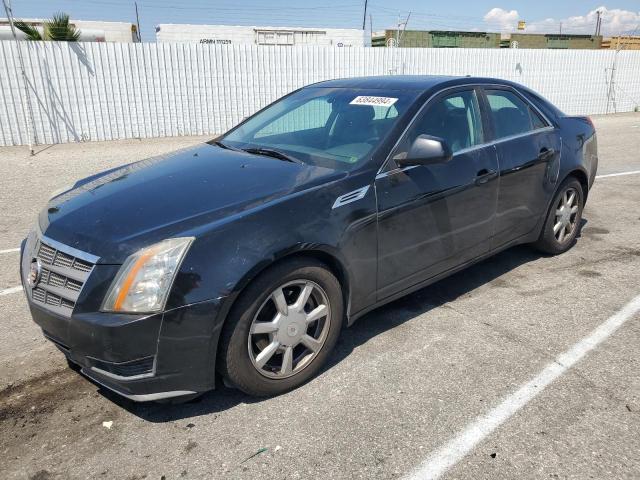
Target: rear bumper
<point x="142" y="358"/>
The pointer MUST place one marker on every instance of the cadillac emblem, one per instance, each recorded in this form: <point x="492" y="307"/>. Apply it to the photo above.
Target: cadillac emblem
<point x="35" y="272"/>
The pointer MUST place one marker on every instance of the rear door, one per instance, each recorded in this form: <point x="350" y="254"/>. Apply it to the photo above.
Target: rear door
<point x="528" y="147"/>
<point x="432" y="218"/>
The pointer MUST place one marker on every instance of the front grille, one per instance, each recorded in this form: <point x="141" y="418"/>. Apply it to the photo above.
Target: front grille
<point x="46" y="253"/>
<point x="61" y="279"/>
<point x="51" y="256"/>
<point x="56" y="280"/>
<point x="39" y="295"/>
<point x="48" y="298"/>
<point x="42" y="296"/>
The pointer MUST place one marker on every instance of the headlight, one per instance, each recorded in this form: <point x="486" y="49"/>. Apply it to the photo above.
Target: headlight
<point x="145" y="279"/>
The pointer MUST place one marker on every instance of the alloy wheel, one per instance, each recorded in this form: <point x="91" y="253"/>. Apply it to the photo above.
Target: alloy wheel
<point x="566" y="215"/>
<point x="289" y="329"/>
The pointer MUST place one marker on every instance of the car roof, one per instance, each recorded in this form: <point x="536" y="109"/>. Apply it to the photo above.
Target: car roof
<point x="404" y="82"/>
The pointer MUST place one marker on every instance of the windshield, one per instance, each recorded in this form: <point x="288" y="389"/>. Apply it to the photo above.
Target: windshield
<point x="331" y="127"/>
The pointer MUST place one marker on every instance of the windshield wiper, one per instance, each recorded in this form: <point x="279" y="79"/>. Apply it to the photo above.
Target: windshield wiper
<point x="267" y="152"/>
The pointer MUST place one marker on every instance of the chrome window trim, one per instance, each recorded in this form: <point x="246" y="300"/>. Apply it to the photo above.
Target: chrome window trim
<point x="394" y="171"/>
<point x="521" y="135"/>
<point x="381" y="173"/>
<point x="472" y="148"/>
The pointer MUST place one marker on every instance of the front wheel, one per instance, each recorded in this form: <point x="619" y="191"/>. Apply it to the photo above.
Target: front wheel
<point x="563" y="220"/>
<point x="281" y="330"/>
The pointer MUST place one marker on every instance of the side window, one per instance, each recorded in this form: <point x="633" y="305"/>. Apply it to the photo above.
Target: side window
<point x="536" y="120"/>
<point x="455" y="118"/>
<point x="511" y="115"/>
<point x="312" y="114"/>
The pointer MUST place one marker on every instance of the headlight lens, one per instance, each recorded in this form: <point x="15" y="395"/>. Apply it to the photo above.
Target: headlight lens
<point x="145" y="279"/>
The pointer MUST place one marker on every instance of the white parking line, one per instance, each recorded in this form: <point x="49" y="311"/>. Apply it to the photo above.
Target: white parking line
<point x="8" y="291"/>
<point x="10" y="250"/>
<point x="459" y="446"/>
<point x="632" y="172"/>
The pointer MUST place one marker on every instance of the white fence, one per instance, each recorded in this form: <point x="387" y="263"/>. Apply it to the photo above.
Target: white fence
<point x="105" y="91"/>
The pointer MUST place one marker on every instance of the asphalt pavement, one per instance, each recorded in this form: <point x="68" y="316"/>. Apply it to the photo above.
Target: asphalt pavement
<point x="430" y="384"/>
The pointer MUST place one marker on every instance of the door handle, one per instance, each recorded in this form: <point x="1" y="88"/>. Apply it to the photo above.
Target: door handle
<point x="484" y="175"/>
<point x="546" y="154"/>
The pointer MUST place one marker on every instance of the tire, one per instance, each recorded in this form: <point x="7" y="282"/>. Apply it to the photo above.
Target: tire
<point x="261" y="327"/>
<point x="553" y="241"/>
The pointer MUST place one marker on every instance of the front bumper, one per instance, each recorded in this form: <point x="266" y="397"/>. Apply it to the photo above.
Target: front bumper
<point x="142" y="358"/>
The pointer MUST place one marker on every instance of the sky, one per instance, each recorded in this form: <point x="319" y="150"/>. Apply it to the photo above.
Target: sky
<point x="576" y="16"/>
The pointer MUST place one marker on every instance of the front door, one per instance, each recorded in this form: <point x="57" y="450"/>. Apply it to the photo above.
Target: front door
<point x="432" y="218"/>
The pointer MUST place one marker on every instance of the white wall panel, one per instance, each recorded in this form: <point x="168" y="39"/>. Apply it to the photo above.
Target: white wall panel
<point x="106" y="91"/>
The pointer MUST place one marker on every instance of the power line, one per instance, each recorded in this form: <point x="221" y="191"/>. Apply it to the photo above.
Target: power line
<point x="324" y="15"/>
<point x="243" y="9"/>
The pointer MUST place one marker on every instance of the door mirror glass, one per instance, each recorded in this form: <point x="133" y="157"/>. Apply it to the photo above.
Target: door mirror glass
<point x="426" y="150"/>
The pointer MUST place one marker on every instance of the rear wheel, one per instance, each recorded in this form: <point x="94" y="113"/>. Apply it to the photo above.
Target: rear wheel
<point x="563" y="220"/>
<point x="281" y="330"/>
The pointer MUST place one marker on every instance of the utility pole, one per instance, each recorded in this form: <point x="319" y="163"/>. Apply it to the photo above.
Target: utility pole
<point x="404" y="27"/>
<point x="611" y="93"/>
<point x="560" y="28"/>
<point x="364" y="16"/>
<point x="598" y="13"/>
<point x="138" y="22"/>
<point x="28" y="121"/>
<point x="399" y="36"/>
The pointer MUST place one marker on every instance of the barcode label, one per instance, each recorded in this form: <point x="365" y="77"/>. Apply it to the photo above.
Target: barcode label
<point x="374" y="101"/>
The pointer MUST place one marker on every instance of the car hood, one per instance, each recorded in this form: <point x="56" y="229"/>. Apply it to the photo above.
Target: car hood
<point x="113" y="214"/>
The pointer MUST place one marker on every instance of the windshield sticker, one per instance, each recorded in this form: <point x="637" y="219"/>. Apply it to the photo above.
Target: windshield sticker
<point x="373" y="101"/>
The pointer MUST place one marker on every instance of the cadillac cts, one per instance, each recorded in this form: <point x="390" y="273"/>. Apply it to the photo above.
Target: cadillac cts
<point x="245" y="256"/>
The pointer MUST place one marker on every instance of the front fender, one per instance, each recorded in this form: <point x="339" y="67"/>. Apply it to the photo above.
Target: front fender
<point x="223" y="261"/>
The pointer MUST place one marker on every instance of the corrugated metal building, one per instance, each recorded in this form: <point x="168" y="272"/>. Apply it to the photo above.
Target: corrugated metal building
<point x="553" y="41"/>
<point x="627" y="42"/>
<point x="90" y="31"/>
<point x="255" y="35"/>
<point x="455" y="39"/>
<point x="435" y="39"/>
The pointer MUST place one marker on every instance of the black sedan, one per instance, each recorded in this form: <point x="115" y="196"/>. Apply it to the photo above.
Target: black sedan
<point x="247" y="255"/>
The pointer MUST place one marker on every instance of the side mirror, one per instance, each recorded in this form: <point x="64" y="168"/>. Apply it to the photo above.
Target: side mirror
<point x="426" y="150"/>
